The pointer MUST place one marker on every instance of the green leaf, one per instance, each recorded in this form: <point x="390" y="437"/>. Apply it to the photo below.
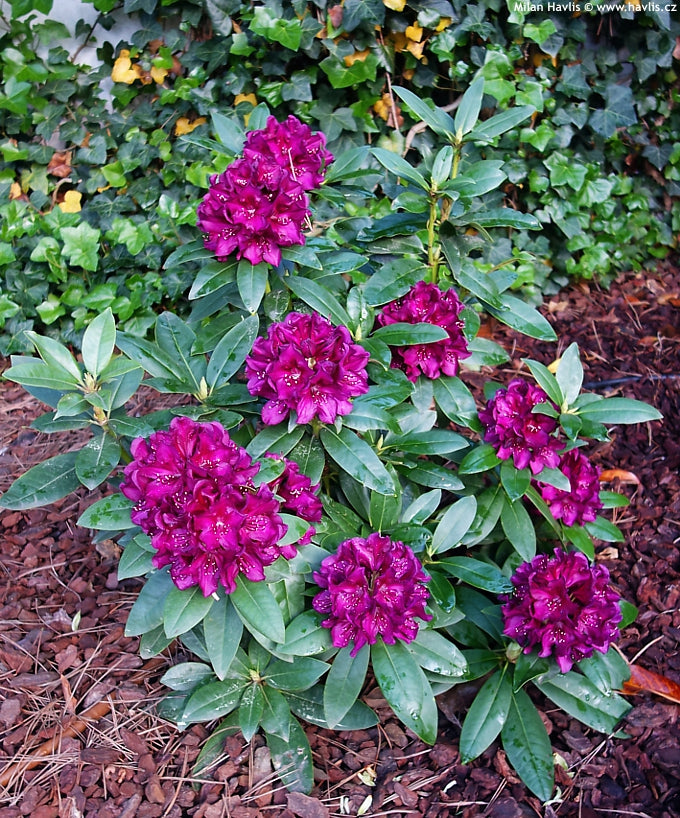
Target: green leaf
<point x="435" y="653"/>
<point x="384" y="509"/>
<point x="305" y="636"/>
<point x="222" y="629"/>
<point x="176" y="339"/>
<point x="546" y="380"/>
<point x="619" y="410"/>
<point x="275" y="439"/>
<point x="147" y="354"/>
<point x="402" y="334"/>
<point x="108" y="514"/>
<point x="433" y="441"/>
<point x="478" y="574"/>
<point x="603" y="529"/>
<point x="431" y="475"/>
<point x="527" y="745"/>
<point x="213" y="700"/>
<point x="96" y="460"/>
<point x="422" y="507"/>
<point x="43" y="484"/>
<point x="308" y="705"/>
<point x="554" y="477"/>
<point x="358" y="459"/>
<point x="453" y="526"/>
<point x="500" y="123"/>
<point x="251" y="280"/>
<point x="400" y="167"/>
<point x="230" y="353"/>
<point x="251" y="710"/>
<point x="135" y="561"/>
<point x="393" y="280"/>
<point x="258" y="609"/>
<point x="309" y="456"/>
<point x="301" y="674"/>
<point x="580" y="698"/>
<point x="525" y="319"/>
<point x="469" y="108"/>
<point x="606" y="671"/>
<point x="485" y="717"/>
<point x="292" y="759"/>
<point x="38" y="374"/>
<point x="147" y="610"/>
<point x="501" y="217"/>
<point x="482" y="458"/>
<point x="98" y="343"/>
<point x="569" y="374"/>
<point x="184" y="609"/>
<point x="515" y="481"/>
<point x="405" y="686"/>
<point x="55" y="355"/>
<point x="230" y="133"/>
<point x="618" y="112"/>
<point x="319" y="299"/>
<point x="81" y="245"/>
<point x="343" y="683"/>
<point x="186" y="675"/>
<point x="437" y="119"/>
<point x="519" y="529"/>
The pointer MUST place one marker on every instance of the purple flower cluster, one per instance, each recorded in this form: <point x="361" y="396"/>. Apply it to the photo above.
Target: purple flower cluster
<point x="426" y="303"/>
<point x="306" y="365"/>
<point x="517" y="432"/>
<point x="581" y="504"/>
<point x="193" y="491"/>
<point x="259" y="205"/>
<point x="372" y="587"/>
<point x="292" y="146"/>
<point x="564" y="605"/>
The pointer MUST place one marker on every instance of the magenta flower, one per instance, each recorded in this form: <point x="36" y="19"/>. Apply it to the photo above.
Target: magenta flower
<point x="564" y="605"/>
<point x="581" y="504"/>
<point x="297" y="495"/>
<point x="515" y="431"/>
<point x="193" y="491"/>
<point x="306" y="365"/>
<point x="292" y="146"/>
<point x="253" y="209"/>
<point x="372" y="587"/>
<point x="426" y="303"/>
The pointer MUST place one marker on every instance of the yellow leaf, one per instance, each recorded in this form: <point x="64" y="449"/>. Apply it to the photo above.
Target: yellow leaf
<point x="416" y="49"/>
<point x="358" y="56"/>
<point x="71" y="203"/>
<point x="382" y="107"/>
<point x="15" y="190"/>
<point x="399" y="40"/>
<point x="445" y="22"/>
<point x="414" y="32"/>
<point x="395" y="5"/>
<point x="183" y="126"/>
<point x="158" y="75"/>
<point x="251" y="98"/>
<point x="124" y="70"/>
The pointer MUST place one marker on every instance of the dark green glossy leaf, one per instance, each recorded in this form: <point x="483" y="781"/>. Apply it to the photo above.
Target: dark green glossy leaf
<point x="292" y="759"/>
<point x="213" y="700"/>
<point x="454" y="525"/>
<point x="358" y="459"/>
<point x="250" y="710"/>
<point x="222" y="629"/>
<point x="108" y="514"/>
<point x="486" y="716"/>
<point x="519" y="529"/>
<point x="527" y="745"/>
<point x="343" y="683"/>
<point x="319" y="299"/>
<point x="96" y="460"/>
<point x="258" y="609"/>
<point x="147" y="610"/>
<point x="43" y="484"/>
<point x="406" y="688"/>
<point x="184" y="609"/>
<point x="476" y="573"/>
<point x="230" y="353"/>
<point x="402" y="334"/>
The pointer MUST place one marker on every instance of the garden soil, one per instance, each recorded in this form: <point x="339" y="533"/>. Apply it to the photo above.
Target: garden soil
<point x="79" y="735"/>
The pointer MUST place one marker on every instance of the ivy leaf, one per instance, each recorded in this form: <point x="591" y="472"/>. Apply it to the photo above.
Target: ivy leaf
<point x="81" y="246"/>
<point x="618" y="111"/>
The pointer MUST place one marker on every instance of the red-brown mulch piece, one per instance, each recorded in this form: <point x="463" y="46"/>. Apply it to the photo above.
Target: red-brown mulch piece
<point x="63" y="648"/>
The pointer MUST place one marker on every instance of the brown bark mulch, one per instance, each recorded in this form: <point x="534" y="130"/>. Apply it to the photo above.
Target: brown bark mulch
<point x="79" y="735"/>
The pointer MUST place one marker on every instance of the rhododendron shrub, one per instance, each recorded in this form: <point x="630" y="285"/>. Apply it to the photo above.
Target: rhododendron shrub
<point x="333" y="497"/>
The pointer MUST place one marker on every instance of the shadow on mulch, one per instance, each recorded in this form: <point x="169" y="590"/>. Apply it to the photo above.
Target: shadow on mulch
<point x="78" y="731"/>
